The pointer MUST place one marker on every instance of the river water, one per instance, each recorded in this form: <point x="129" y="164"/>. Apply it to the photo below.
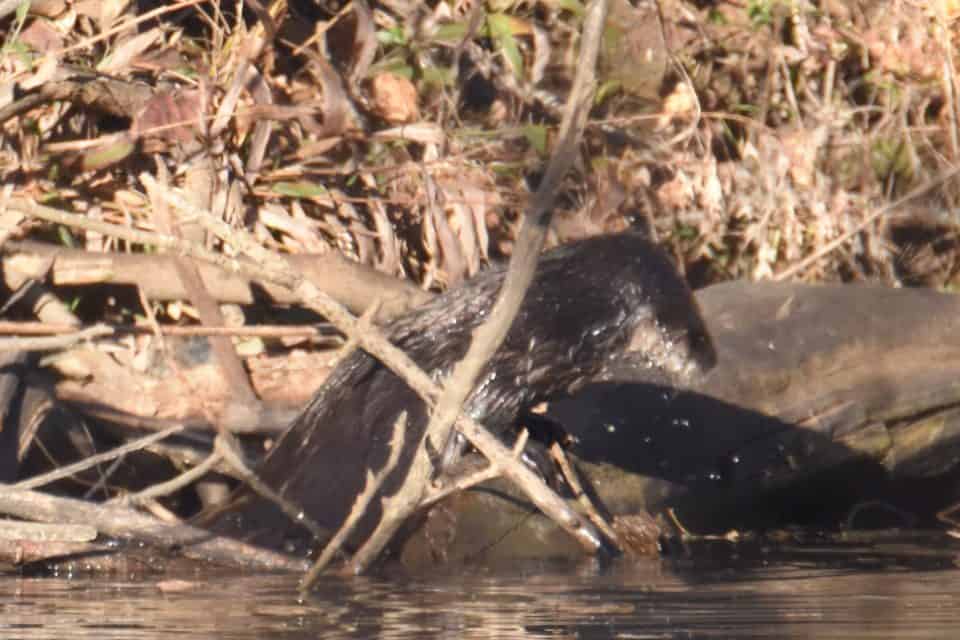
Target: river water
<point x="896" y="589"/>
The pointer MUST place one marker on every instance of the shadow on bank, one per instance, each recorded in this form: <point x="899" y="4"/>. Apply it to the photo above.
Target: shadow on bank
<point x="832" y="406"/>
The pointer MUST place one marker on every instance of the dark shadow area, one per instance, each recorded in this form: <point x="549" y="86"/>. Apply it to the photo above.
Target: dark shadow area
<point x="723" y="466"/>
<point x="13" y="369"/>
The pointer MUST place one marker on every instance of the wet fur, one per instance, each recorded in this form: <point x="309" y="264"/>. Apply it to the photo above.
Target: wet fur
<point x="586" y="302"/>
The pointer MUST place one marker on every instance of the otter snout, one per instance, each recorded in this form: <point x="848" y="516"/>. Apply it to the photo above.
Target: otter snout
<point x="676" y="344"/>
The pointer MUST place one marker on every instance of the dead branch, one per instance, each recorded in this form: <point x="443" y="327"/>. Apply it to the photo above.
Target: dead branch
<point x="45" y="532"/>
<point x="8" y="327"/>
<point x="55" y="343"/>
<point x="353" y="284"/>
<point x="573" y="481"/>
<point x="122" y="522"/>
<point x="265" y="419"/>
<point x="491" y="471"/>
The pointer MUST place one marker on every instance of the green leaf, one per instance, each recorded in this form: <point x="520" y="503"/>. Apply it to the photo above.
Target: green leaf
<point x="108" y="154"/>
<point x="66" y="237"/>
<point x="536" y="135"/>
<point x="606" y="90"/>
<point x="441" y="76"/>
<point x="451" y="32"/>
<point x="300" y="189"/>
<point x="501" y="30"/>
<point x="573" y="6"/>
<point x="394" y="36"/>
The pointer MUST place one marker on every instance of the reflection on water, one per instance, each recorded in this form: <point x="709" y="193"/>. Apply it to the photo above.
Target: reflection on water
<point x="889" y="591"/>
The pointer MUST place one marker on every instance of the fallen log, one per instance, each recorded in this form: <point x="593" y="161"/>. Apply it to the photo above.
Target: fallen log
<point x="824" y="396"/>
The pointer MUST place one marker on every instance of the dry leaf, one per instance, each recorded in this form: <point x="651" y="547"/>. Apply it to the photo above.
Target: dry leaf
<point x="121" y="57"/>
<point x="394" y="98"/>
<point x="45" y="72"/>
<point x="42" y="36"/>
<point x="170" y="115"/>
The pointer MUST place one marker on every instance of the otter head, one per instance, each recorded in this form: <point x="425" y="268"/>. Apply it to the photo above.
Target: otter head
<point x="668" y="334"/>
<point x="673" y="341"/>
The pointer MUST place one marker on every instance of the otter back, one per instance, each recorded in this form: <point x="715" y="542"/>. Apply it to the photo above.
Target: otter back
<point x="588" y="302"/>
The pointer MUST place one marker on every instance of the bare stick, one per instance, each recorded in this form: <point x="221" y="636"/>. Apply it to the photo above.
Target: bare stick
<point x="395" y="511"/>
<point x="55" y="343"/>
<point x="92" y="461"/>
<point x="269" y="268"/>
<point x="46" y="532"/>
<point x="126" y="523"/>
<point x="353" y="284"/>
<point x="185" y="479"/>
<point x="16" y="328"/>
<point x="489" y="472"/>
<point x="570" y="474"/>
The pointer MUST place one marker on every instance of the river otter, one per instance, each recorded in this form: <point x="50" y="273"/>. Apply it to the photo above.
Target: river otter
<point x="588" y="301"/>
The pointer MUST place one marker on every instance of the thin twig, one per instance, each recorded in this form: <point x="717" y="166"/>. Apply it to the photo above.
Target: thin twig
<point x="92" y="461"/>
<point x="573" y="480"/>
<point x="173" y="485"/>
<point x="55" y="343"/>
<point x="837" y="242"/>
<point x="353" y="284"/>
<point x="467" y="481"/>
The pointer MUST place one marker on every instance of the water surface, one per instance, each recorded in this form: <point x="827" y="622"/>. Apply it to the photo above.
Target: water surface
<point x="897" y="589"/>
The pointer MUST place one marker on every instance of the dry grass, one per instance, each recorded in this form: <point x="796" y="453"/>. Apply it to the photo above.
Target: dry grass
<point x="750" y="134"/>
